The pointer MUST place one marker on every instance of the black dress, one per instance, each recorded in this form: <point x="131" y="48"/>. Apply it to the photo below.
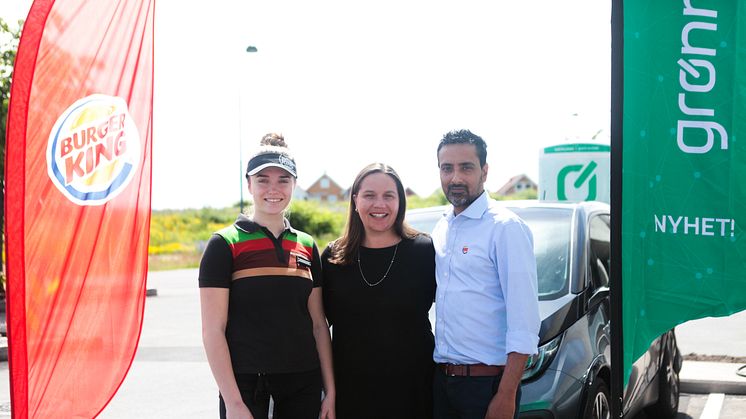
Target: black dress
<point x="382" y="341"/>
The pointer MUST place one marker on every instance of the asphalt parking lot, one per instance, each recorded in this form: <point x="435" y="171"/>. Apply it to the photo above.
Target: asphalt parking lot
<point x="170" y="377"/>
<point x="709" y="406"/>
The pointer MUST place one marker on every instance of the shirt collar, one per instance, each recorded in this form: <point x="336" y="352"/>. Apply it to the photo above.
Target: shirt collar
<point x="475" y="210"/>
<point x="248" y="225"/>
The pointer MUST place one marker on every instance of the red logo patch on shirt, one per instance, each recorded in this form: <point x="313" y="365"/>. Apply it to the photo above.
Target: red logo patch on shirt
<point x="465" y="249"/>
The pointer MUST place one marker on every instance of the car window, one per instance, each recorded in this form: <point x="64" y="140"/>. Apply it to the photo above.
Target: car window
<point x="424" y="222"/>
<point x="600" y="249"/>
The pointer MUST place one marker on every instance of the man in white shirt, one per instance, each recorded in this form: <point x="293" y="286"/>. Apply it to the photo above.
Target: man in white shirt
<point x="487" y="313"/>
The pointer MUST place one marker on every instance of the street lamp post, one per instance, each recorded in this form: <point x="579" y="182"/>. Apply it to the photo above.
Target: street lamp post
<point x="250" y="48"/>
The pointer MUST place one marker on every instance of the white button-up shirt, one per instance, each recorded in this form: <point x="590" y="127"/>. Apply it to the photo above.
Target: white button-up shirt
<point x="486" y="304"/>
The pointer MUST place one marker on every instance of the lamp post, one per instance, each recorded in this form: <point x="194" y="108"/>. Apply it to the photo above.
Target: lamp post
<point x="250" y="48"/>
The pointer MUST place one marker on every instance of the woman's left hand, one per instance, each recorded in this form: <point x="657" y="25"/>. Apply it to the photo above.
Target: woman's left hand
<point x="327" y="408"/>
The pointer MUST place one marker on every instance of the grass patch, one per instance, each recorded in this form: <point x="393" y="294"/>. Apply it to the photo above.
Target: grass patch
<point x="164" y="262"/>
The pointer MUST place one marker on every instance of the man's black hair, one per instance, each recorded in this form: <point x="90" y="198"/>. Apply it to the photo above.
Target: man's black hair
<point x="464" y="136"/>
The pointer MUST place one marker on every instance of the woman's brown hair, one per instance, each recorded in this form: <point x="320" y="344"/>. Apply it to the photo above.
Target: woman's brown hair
<point x="344" y="249"/>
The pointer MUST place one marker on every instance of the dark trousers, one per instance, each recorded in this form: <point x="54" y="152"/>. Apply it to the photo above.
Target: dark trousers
<point x="295" y="395"/>
<point x="465" y="397"/>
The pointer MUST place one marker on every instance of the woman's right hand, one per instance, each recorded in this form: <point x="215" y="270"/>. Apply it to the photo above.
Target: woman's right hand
<point x="238" y="411"/>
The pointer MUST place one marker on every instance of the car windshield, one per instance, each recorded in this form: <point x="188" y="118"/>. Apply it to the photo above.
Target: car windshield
<point x="551" y="228"/>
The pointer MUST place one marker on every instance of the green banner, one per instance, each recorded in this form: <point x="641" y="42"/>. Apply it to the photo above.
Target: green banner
<point x="684" y="166"/>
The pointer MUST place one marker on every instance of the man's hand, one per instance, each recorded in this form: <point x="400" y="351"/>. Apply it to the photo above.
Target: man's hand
<point x="502" y="406"/>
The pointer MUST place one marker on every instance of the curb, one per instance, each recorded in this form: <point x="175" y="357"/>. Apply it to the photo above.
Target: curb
<point x="711" y="386"/>
<point x="699" y="377"/>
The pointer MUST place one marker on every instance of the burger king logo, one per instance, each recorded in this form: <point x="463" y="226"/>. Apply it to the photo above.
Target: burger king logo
<point x="93" y="150"/>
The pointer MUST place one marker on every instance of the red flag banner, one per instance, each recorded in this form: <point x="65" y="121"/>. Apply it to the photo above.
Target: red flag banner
<point x="78" y="165"/>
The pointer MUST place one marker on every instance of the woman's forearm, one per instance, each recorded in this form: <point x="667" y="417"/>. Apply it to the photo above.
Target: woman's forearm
<point x="218" y="357"/>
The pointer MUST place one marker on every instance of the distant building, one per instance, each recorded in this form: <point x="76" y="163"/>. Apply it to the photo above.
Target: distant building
<point x="517" y="184"/>
<point x="409" y="192"/>
<point x="325" y="189"/>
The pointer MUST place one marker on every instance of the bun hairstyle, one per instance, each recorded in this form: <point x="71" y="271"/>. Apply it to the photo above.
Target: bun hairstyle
<point x="274" y="140"/>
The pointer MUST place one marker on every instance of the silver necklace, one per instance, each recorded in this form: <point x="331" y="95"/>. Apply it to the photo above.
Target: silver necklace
<point x="359" y="266"/>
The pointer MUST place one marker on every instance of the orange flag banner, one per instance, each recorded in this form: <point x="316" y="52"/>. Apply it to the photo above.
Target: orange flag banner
<point x="78" y="167"/>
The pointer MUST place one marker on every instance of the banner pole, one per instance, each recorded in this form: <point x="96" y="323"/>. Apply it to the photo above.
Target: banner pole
<point x="617" y="107"/>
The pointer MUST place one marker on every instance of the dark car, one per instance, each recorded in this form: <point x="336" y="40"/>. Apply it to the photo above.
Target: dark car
<point x="569" y="378"/>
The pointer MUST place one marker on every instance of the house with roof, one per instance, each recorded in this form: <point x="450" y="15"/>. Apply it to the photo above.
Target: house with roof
<point x="517" y="184"/>
<point x="325" y="189"/>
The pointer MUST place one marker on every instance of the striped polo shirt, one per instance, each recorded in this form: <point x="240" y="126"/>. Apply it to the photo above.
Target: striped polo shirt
<point x="269" y="328"/>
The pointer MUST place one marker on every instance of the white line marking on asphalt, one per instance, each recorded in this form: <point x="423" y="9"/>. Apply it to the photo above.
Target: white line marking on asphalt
<point x="712" y="406"/>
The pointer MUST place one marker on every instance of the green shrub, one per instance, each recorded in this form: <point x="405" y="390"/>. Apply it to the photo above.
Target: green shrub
<point x="185" y="229"/>
<point x="435" y="199"/>
<point x="523" y="195"/>
<point x="314" y="219"/>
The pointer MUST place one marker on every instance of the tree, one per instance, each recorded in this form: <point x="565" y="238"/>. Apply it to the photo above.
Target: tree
<point x="9" y="37"/>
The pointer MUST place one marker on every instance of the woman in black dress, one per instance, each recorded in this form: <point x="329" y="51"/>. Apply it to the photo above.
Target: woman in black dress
<point x="379" y="284"/>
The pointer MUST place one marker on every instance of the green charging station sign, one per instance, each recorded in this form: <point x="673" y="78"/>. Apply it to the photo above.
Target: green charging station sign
<point x="575" y="172"/>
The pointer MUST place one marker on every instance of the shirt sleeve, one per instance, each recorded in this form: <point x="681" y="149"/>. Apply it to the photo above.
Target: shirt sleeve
<point x="216" y="266"/>
<point x="429" y="265"/>
<point x="318" y="279"/>
<point x="517" y="273"/>
<point x="327" y="294"/>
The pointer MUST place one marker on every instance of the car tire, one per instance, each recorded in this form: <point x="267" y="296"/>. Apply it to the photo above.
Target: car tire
<point x="597" y="402"/>
<point x="667" y="405"/>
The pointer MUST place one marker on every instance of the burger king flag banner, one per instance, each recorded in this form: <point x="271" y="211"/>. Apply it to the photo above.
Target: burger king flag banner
<point x="78" y="165"/>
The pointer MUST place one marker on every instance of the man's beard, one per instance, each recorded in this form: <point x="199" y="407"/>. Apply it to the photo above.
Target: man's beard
<point x="460" y="199"/>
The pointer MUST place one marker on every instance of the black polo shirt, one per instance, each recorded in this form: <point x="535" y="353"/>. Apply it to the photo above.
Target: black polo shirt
<point x="269" y="328"/>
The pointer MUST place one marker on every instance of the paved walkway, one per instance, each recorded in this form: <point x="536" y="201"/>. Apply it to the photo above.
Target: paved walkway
<point x="170" y="377"/>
